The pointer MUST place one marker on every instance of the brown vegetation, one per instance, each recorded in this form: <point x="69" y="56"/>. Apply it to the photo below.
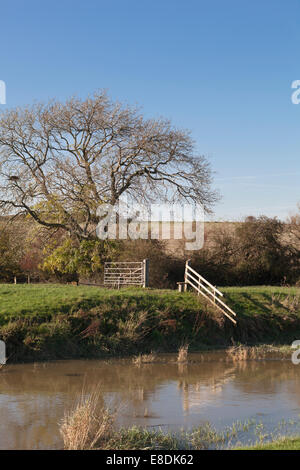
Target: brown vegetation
<point x="144" y="359"/>
<point x="183" y="353"/>
<point x="88" y="425"/>
<point x="257" y="251"/>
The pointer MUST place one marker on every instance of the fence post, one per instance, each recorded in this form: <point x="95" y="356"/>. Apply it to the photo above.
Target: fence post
<point x="146" y="272"/>
<point x="187" y="263"/>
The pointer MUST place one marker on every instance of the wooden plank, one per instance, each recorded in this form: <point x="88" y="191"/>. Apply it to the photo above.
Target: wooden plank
<point x="204" y="280"/>
<point x="203" y="287"/>
<point x="211" y="301"/>
<point x="214" y="297"/>
<point x="226" y="306"/>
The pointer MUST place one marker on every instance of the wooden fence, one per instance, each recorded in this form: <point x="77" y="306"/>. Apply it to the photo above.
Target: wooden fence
<point x="207" y="290"/>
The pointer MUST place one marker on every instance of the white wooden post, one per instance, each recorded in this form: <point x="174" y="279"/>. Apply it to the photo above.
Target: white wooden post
<point x="187" y="263"/>
<point x="146" y="272"/>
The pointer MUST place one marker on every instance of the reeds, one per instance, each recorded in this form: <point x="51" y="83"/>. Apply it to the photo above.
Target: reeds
<point x="144" y="359"/>
<point x="88" y="425"/>
<point x="183" y="353"/>
<point x="244" y="353"/>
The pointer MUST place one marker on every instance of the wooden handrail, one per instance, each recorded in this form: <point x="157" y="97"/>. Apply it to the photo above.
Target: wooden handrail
<point x="203" y="279"/>
<point x="202" y="293"/>
<point x="201" y="285"/>
<point x="211" y="294"/>
<point x="198" y="285"/>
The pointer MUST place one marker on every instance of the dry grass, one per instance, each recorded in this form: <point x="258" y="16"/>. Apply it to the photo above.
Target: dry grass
<point x="289" y="302"/>
<point x="183" y="353"/>
<point x="242" y="353"/>
<point x="135" y="327"/>
<point x="88" y="425"/>
<point x="292" y="303"/>
<point x="264" y="351"/>
<point x="144" y="359"/>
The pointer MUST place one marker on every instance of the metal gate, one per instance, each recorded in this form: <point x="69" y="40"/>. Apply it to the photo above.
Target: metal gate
<point x="126" y="273"/>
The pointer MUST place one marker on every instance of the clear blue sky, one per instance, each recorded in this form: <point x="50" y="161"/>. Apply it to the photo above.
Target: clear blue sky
<point x="221" y="68"/>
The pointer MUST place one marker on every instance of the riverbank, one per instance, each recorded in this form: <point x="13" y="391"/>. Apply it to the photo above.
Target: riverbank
<point x="198" y="439"/>
<point x="47" y="322"/>
<point x="283" y="443"/>
<point x="89" y="426"/>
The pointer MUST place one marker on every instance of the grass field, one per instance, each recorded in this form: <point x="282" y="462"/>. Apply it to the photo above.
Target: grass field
<point x="260" y="300"/>
<point x="40" y="322"/>
<point x="43" y="299"/>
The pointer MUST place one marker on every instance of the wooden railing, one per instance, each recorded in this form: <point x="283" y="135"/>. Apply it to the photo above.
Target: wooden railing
<point x="126" y="273"/>
<point x="207" y="290"/>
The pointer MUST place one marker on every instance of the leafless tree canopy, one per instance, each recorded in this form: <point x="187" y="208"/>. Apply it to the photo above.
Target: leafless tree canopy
<point x="60" y="161"/>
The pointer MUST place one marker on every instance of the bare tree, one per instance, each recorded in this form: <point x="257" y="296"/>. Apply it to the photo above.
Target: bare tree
<point x="60" y="161"/>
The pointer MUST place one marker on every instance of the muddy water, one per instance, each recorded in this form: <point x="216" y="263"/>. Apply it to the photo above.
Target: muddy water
<point x="33" y="397"/>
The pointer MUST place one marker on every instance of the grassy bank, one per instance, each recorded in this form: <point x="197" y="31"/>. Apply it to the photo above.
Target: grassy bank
<point x="202" y="438"/>
<point x="90" y="425"/>
<point x="40" y="322"/>
<point x="283" y="443"/>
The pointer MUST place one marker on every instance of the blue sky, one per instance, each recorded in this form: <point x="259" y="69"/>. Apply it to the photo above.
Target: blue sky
<point x="221" y="68"/>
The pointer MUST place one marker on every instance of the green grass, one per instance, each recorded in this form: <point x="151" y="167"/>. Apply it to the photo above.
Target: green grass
<point x="260" y="300"/>
<point x="17" y="301"/>
<point x="45" y="299"/>
<point x="135" y="438"/>
<point x="142" y="439"/>
<point x="40" y="322"/>
<point x="199" y="439"/>
<point x="284" y="443"/>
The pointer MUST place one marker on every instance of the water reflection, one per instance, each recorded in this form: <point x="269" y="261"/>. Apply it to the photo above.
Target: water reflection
<point x="33" y="397"/>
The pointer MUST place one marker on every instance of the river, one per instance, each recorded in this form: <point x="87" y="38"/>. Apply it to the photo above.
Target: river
<point x="34" y="397"/>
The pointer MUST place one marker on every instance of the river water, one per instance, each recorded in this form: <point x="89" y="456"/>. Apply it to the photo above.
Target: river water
<point x="34" y="397"/>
